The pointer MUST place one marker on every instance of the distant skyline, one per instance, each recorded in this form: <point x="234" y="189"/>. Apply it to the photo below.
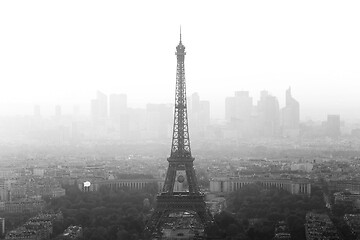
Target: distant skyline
<point x="61" y="53"/>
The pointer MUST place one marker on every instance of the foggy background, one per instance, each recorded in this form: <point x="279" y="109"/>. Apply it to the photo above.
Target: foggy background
<point x="87" y="112"/>
<point x="61" y="53"/>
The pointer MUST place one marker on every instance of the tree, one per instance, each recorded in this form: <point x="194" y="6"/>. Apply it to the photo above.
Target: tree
<point x="115" y="214"/>
<point x="122" y="235"/>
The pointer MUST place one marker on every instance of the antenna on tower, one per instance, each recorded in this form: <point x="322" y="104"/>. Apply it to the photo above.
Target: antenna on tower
<point x="180" y="33"/>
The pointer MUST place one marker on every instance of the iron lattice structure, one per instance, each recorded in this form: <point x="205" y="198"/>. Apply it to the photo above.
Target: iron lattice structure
<point x="170" y="200"/>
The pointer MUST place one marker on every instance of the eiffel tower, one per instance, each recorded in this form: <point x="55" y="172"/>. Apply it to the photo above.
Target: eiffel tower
<point x="180" y="193"/>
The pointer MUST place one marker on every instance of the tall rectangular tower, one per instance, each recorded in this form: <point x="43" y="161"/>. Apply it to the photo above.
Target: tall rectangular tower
<point x="117" y="107"/>
<point x="99" y="108"/>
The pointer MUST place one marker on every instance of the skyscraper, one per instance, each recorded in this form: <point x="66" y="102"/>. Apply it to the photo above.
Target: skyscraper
<point x="99" y="111"/>
<point x="158" y="121"/>
<point x="204" y="113"/>
<point x="268" y="115"/>
<point x="117" y="107"/>
<point x="238" y="112"/>
<point x="332" y="126"/>
<point x="119" y="114"/>
<point x="290" y="116"/>
<point x="239" y="106"/>
<point x="199" y="115"/>
<point x="194" y="102"/>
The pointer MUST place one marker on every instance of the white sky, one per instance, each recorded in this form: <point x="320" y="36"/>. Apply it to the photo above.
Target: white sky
<point x="62" y="52"/>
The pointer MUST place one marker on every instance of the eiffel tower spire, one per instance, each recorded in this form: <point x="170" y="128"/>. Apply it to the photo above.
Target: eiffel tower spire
<point x="180" y="147"/>
<point x="180" y="33"/>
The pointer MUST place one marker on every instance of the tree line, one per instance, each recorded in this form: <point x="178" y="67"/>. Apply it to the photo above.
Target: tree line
<point x="104" y="215"/>
<point x="253" y="212"/>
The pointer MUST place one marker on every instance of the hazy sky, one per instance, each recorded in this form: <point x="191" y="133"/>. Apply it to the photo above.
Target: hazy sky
<point x="62" y="52"/>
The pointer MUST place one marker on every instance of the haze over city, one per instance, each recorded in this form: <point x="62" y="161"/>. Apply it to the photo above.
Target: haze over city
<point x="61" y="53"/>
<point x="149" y="120"/>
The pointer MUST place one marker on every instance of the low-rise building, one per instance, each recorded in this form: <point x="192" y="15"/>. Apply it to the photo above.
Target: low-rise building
<point x="346" y="197"/>
<point x="132" y="184"/>
<point x="230" y="184"/>
<point x="353" y="221"/>
<point x="24" y="205"/>
<point x="344" y="185"/>
<point x="39" y="227"/>
<point x="22" y="233"/>
<point x="320" y="227"/>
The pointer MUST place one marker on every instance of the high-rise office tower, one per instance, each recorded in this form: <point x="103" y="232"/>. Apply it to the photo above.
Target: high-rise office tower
<point x="238" y="112"/>
<point x="158" y="121"/>
<point x="117" y="107"/>
<point x="204" y="113"/>
<point x="239" y="106"/>
<point x="268" y="115"/>
<point x="199" y="115"/>
<point x="119" y="114"/>
<point x="194" y="102"/>
<point x="230" y="108"/>
<point x="137" y="123"/>
<point x="99" y="111"/>
<point x="290" y="116"/>
<point x="332" y="126"/>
